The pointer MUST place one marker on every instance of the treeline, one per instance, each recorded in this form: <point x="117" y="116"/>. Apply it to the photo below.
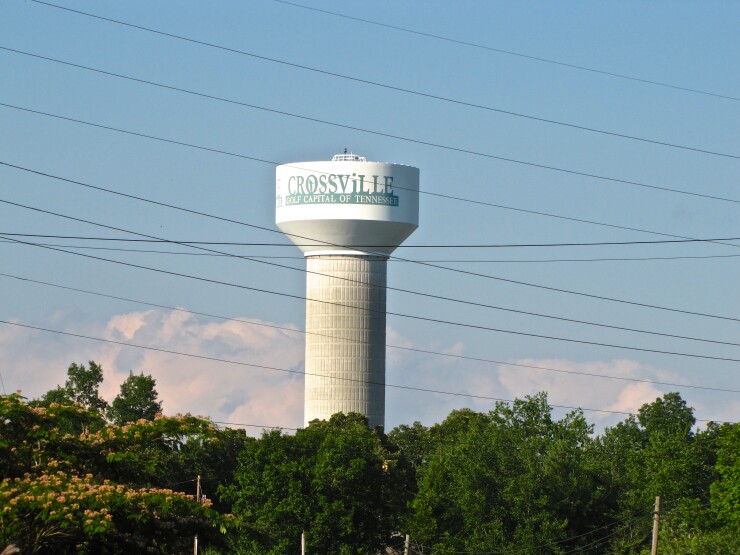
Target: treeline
<point x="80" y="476"/>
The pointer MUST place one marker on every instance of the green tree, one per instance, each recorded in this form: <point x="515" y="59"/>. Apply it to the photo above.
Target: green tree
<point x="726" y="490"/>
<point x="137" y="400"/>
<point x="83" y="384"/>
<point x="338" y="481"/>
<point x="59" y="395"/>
<point x="72" y="484"/>
<point x="657" y="453"/>
<point x="669" y="415"/>
<point x="723" y="541"/>
<point x="63" y="512"/>
<point x="82" y="387"/>
<point x="512" y="480"/>
<point x="214" y="457"/>
<point x="158" y="453"/>
<point x="414" y="442"/>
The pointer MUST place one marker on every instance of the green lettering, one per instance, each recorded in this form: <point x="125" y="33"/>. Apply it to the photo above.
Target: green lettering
<point x="299" y="185"/>
<point x="311" y="184"/>
<point x="388" y="184"/>
<point x="344" y="182"/>
<point x="332" y="184"/>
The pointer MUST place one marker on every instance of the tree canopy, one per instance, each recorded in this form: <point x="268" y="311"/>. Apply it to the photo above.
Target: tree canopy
<point x="81" y="387"/>
<point x="137" y="400"/>
<point x="77" y="476"/>
<point x="71" y="488"/>
<point x="338" y="481"/>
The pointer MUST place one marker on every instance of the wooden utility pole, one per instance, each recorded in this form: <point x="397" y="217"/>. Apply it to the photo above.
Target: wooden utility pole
<point x="406" y="545"/>
<point x="656" y="522"/>
<point x="197" y="500"/>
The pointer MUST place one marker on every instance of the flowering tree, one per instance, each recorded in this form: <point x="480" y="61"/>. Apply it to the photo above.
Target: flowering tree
<point x="63" y="511"/>
<point x="73" y="484"/>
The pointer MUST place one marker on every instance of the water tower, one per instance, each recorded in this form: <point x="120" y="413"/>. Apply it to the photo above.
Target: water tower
<point x="347" y="216"/>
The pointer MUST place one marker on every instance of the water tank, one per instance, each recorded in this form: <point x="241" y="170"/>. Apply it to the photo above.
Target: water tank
<point x="347" y="205"/>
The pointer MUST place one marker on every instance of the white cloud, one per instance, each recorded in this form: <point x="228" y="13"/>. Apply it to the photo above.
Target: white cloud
<point x="568" y="386"/>
<point x="127" y="324"/>
<point x="435" y="373"/>
<point x="35" y="362"/>
<point x="572" y="387"/>
<point x="633" y="396"/>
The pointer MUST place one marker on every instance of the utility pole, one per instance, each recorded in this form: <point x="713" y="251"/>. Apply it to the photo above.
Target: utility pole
<point x="197" y="500"/>
<point x="656" y="521"/>
<point x="303" y="543"/>
<point x="406" y="545"/>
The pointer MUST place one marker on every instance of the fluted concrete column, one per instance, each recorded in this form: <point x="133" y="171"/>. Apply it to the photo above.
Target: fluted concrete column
<point x="345" y="340"/>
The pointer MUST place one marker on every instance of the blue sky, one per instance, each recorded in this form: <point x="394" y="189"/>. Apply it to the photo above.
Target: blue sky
<point x="684" y="44"/>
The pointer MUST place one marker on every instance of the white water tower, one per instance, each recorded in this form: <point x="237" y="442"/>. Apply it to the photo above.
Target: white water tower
<point x="347" y="216"/>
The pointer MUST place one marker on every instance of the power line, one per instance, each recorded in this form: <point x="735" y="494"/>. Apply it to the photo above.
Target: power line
<point x="546" y="214"/>
<point x="273" y="163"/>
<point x="369" y="246"/>
<point x="153" y="251"/>
<point x="466" y="272"/>
<point x="253" y="226"/>
<point x="426" y="264"/>
<point x="252" y="106"/>
<point x="389" y="136"/>
<point x="288" y="371"/>
<point x="254" y="425"/>
<point x="388" y="288"/>
<point x="499" y="50"/>
<point x="602" y="539"/>
<point x="553" y="260"/>
<point x="629" y="520"/>
<point x="400" y="315"/>
<point x="436" y="261"/>
<point x="397" y="347"/>
<point x="393" y="88"/>
<point x="617" y="522"/>
<point x="597" y="542"/>
<point x="272" y="368"/>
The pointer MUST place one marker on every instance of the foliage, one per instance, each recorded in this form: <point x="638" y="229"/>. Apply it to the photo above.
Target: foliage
<point x="669" y="415"/>
<point x="726" y="490"/>
<point x="337" y="481"/>
<point x="414" y="441"/>
<point x="654" y="454"/>
<point x="511" y="480"/>
<point x="30" y="436"/>
<point x="81" y="387"/>
<point x="69" y="513"/>
<point x="137" y="400"/>
<point x="722" y="541"/>
<point x="60" y="461"/>
<point x="213" y="456"/>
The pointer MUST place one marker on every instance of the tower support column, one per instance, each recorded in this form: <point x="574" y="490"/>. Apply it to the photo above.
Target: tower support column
<point x="345" y="336"/>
